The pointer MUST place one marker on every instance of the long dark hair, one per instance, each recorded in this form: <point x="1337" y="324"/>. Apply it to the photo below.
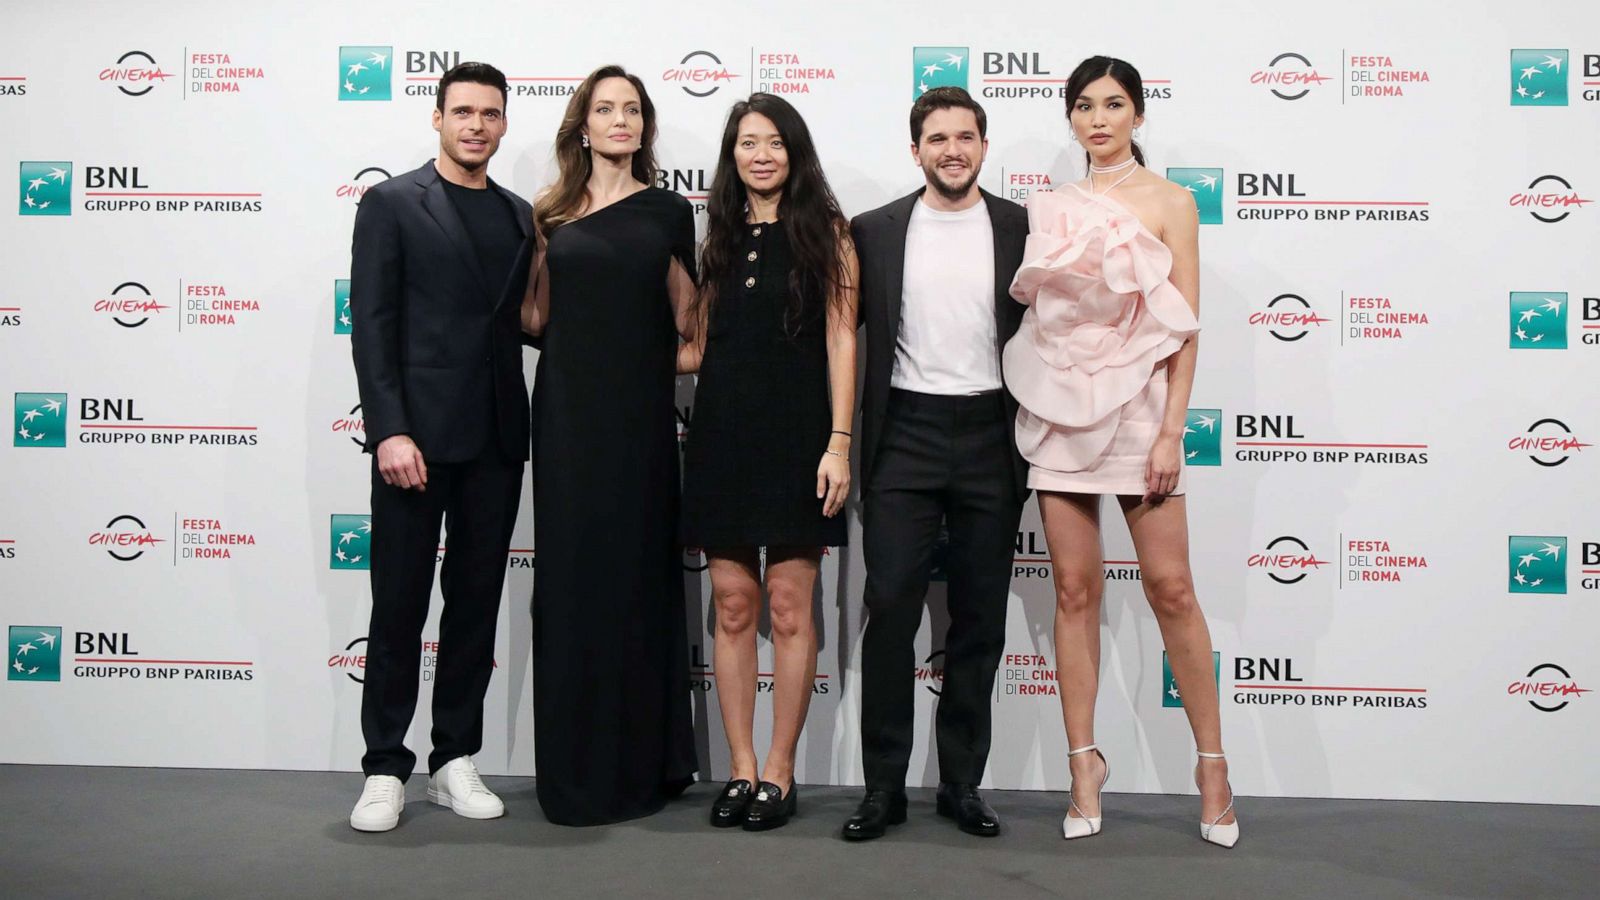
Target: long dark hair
<point x="561" y="203"/>
<point x="808" y="210"/>
<point x="1122" y="72"/>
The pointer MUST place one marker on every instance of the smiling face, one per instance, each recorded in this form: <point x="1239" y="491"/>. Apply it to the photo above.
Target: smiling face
<point x="615" y="123"/>
<point x="760" y="155"/>
<point x="951" y="151"/>
<point x="1103" y="118"/>
<point x="471" y="125"/>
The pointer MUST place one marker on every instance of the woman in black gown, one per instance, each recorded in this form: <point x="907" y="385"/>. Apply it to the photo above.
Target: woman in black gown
<point x="767" y="461"/>
<point x="613" y="275"/>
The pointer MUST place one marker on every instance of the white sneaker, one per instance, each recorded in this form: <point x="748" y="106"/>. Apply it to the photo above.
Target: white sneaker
<point x="379" y="807"/>
<point x="458" y="786"/>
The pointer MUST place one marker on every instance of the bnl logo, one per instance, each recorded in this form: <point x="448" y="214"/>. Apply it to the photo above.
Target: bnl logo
<point x="34" y="653"/>
<point x="1537" y="565"/>
<point x="350" y="542"/>
<point x="1538" y="78"/>
<point x="1205" y="185"/>
<point x="1169" y="685"/>
<point x="39" y="420"/>
<point x="364" y="73"/>
<point x="44" y="189"/>
<point x="341" y="306"/>
<point x="1202" y="438"/>
<point x="934" y="67"/>
<point x="1538" y="320"/>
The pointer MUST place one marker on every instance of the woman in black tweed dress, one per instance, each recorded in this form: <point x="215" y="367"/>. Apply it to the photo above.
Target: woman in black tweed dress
<point x="767" y="460"/>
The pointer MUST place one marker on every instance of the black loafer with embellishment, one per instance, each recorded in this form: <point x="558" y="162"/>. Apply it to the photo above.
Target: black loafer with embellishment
<point x="733" y="804"/>
<point x="771" y="808"/>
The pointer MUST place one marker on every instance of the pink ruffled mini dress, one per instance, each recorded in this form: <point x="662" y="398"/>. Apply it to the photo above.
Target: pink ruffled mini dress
<point x="1101" y="316"/>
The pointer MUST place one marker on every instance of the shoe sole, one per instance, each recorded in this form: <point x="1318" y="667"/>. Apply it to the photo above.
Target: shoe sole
<point x="375" y="827"/>
<point x="440" y="798"/>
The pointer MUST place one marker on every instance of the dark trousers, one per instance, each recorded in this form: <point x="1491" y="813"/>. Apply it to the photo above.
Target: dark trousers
<point x="940" y="458"/>
<point x="477" y="501"/>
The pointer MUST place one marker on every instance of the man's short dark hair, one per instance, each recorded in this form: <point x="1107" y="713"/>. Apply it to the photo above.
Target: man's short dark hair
<point x="945" y="98"/>
<point x="476" y="73"/>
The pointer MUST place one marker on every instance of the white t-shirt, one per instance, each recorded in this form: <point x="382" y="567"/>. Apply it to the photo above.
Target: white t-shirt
<point x="946" y="343"/>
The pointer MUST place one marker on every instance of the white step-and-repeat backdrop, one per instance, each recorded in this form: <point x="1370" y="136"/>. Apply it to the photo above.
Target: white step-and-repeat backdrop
<point x="1393" y="483"/>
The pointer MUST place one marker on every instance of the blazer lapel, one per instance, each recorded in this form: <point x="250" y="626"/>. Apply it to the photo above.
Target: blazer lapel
<point x="895" y="273"/>
<point x="1005" y="239"/>
<point x="438" y="205"/>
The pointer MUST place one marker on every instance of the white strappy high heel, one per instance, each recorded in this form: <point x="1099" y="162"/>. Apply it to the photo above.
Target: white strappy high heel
<point x="1211" y="832"/>
<point x="1081" y="825"/>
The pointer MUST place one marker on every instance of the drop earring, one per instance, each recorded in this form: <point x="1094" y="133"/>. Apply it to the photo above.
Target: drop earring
<point x="585" y="140"/>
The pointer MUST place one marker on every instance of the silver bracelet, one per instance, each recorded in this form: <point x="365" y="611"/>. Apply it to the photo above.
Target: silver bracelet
<point x="838" y="454"/>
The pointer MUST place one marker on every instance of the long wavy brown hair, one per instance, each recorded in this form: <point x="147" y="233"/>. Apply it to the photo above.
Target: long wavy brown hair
<point x="564" y="200"/>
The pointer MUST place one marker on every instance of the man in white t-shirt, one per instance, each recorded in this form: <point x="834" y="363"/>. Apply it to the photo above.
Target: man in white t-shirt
<point x="938" y="448"/>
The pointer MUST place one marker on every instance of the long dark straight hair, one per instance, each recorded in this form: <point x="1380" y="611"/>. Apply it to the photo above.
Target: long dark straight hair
<point x="564" y="199"/>
<point x="1095" y="68"/>
<point x="808" y="210"/>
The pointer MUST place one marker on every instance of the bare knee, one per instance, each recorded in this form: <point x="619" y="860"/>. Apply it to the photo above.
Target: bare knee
<point x="791" y="611"/>
<point x="736" y="610"/>
<point x="1171" y="597"/>
<point x="1078" y="596"/>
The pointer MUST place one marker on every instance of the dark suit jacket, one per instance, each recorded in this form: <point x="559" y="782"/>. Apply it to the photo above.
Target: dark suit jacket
<point x="437" y="341"/>
<point x="880" y="237"/>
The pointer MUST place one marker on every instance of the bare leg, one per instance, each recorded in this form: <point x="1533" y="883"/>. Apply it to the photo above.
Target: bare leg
<point x="736" y="593"/>
<point x="1161" y="539"/>
<point x="791" y="578"/>
<point x="1072" y="532"/>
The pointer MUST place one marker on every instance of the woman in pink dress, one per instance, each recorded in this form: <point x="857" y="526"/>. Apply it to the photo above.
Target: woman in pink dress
<point x="1102" y="368"/>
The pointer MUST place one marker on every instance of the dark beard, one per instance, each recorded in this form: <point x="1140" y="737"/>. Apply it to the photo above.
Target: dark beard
<point x="952" y="194"/>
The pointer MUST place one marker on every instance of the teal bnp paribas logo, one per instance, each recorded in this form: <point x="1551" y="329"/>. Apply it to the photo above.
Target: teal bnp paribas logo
<point x="45" y="189"/>
<point x="1169" y="685"/>
<point x="350" y="542"/>
<point x="341" y="306"/>
<point x="39" y="420"/>
<point x="934" y="67"/>
<point x="1202" y="438"/>
<point x="364" y="73"/>
<point x="1538" y="565"/>
<point x="1538" y="320"/>
<point x="1538" y="78"/>
<point x="1206" y="187"/>
<point x="34" y="653"/>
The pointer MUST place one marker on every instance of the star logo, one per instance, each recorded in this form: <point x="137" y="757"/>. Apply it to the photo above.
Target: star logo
<point x="44" y="189"/>
<point x="1170" y="697"/>
<point x="933" y="67"/>
<point x="1538" y="320"/>
<point x="1536" y="564"/>
<point x="39" y="420"/>
<point x="341" y="306"/>
<point x="350" y="541"/>
<point x="1205" y="185"/>
<point x="364" y="73"/>
<point x="1538" y="78"/>
<point x="35" y="653"/>
<point x="1202" y="438"/>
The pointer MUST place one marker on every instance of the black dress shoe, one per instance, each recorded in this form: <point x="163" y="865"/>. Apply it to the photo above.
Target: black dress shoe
<point x="963" y="803"/>
<point x="878" y="810"/>
<point x="771" y="808"/>
<point x="732" y="804"/>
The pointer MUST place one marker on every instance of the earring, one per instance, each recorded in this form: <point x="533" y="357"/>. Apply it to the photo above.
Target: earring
<point x="1074" y="136"/>
<point x="585" y="139"/>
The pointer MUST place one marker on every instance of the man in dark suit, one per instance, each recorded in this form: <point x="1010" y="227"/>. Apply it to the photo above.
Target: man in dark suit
<point x="439" y="263"/>
<point x="937" y="446"/>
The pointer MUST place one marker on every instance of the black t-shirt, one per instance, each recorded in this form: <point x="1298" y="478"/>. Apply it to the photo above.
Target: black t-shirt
<point x="492" y="224"/>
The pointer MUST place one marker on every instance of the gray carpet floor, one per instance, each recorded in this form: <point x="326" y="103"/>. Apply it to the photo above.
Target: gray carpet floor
<point x="103" y="832"/>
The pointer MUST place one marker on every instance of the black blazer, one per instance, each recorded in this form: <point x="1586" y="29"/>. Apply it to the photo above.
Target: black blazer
<point x="436" y="341"/>
<point x="880" y="237"/>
